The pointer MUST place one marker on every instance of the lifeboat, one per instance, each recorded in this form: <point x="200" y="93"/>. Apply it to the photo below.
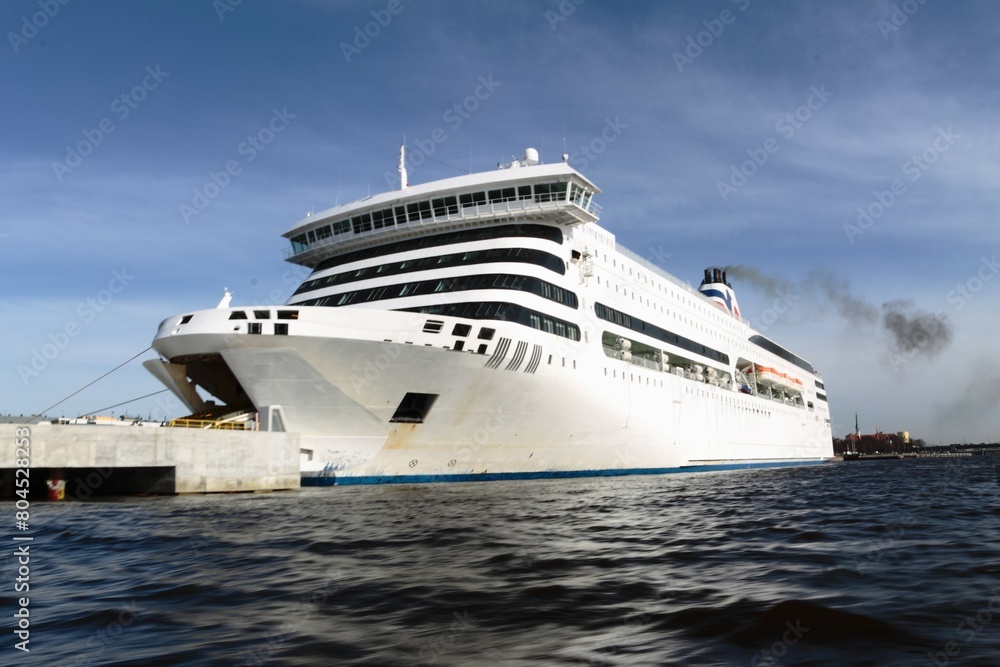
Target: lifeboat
<point x="784" y="382"/>
<point x="764" y="375"/>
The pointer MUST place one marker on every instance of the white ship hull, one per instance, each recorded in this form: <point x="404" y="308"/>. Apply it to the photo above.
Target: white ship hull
<point x="582" y="414"/>
<point x="490" y="338"/>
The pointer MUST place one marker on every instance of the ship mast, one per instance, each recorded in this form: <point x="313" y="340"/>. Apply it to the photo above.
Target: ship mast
<point x="402" y="166"/>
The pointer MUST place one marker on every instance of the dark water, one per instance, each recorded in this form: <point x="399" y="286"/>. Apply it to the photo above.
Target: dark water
<point x="877" y="563"/>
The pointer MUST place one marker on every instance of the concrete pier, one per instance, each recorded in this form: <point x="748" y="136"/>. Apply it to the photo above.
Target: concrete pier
<point x="114" y="460"/>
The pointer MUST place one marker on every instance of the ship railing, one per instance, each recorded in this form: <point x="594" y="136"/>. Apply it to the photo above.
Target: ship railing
<point x="210" y="424"/>
<point x="615" y="353"/>
<point x="535" y="204"/>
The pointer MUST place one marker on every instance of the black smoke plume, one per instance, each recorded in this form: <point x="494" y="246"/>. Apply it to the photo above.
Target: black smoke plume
<point x="913" y="331"/>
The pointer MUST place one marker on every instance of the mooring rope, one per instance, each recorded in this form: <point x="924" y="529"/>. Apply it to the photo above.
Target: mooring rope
<point x="32" y="417"/>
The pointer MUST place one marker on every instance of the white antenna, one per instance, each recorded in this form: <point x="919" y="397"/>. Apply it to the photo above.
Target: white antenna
<point x="227" y="296"/>
<point x="402" y="166"/>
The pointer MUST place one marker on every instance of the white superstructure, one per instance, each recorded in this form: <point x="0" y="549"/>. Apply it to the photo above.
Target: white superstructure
<point x="486" y="326"/>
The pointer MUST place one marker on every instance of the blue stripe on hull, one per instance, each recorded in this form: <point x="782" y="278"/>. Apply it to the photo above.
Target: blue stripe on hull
<point x="547" y="474"/>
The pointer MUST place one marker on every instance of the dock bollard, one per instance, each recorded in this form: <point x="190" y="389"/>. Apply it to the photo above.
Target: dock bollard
<point x="57" y="489"/>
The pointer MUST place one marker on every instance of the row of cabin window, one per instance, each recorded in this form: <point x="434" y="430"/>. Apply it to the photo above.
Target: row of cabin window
<point x="519" y="255"/>
<point x="438" y="207"/>
<point x="641" y="326"/>
<point x="265" y="315"/>
<point x="486" y="233"/>
<point x="507" y="312"/>
<point x="528" y="284"/>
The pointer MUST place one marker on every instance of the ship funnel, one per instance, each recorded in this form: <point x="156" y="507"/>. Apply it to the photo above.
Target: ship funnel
<point x="717" y="289"/>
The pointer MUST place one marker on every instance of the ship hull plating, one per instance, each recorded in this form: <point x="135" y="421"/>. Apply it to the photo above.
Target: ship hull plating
<point x="521" y="406"/>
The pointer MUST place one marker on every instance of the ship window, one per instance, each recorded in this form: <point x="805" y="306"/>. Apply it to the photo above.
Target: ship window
<point x="253" y="328"/>
<point x="472" y="199"/>
<point x="186" y="319"/>
<point x="312" y="235"/>
<point x="262" y="314"/>
<point x="288" y="314"/>
<point x="237" y="315"/>
<point x="414" y="408"/>
<point x="281" y="328"/>
<point x="400" y="215"/>
<point x="486" y="333"/>
<point x="342" y="227"/>
<point x="461" y="330"/>
<point x="524" y="192"/>
<point x="496" y="196"/>
<point x="382" y="218"/>
<point x="459" y="345"/>
<point x="445" y="206"/>
<point x="413" y="211"/>
<point x="542" y="191"/>
<point x="425" y="209"/>
<point x="433" y="326"/>
<point x="482" y="349"/>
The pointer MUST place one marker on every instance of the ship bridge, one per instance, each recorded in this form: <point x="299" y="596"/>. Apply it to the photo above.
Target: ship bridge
<point x="517" y="192"/>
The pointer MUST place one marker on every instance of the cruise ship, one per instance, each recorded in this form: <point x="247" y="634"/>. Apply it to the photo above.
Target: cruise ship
<point x="487" y="327"/>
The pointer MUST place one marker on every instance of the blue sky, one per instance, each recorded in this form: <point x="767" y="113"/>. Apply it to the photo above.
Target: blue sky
<point x="745" y="133"/>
